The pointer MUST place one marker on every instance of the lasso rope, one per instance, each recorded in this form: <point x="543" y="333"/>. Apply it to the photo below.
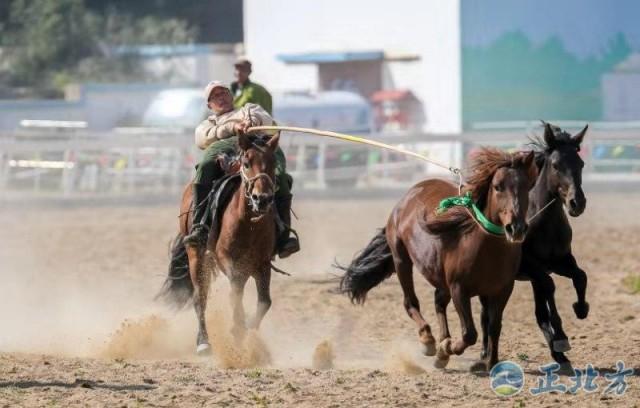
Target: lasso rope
<point x="541" y="210"/>
<point x="361" y="140"/>
<point x="456" y="171"/>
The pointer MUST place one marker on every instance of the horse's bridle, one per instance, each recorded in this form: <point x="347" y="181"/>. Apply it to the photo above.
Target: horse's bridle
<point x="250" y="181"/>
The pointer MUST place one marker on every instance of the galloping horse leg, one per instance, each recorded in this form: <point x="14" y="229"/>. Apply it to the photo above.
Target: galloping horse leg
<point x="462" y="303"/>
<point x="484" y="324"/>
<point x="201" y="279"/>
<point x="442" y="298"/>
<point x="237" y="291"/>
<point x="543" y="294"/>
<point x="404" y="270"/>
<point x="568" y="267"/>
<point x="263" y="283"/>
<point x="494" y="307"/>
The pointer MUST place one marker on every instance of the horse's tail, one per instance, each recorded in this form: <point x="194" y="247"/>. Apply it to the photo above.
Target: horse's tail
<point x="368" y="269"/>
<point x="178" y="288"/>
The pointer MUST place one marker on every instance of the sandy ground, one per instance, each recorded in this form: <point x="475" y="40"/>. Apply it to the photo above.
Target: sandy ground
<point x="80" y="327"/>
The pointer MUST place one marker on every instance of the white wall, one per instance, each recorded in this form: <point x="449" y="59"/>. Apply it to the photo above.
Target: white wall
<point x="427" y="28"/>
<point x="621" y="99"/>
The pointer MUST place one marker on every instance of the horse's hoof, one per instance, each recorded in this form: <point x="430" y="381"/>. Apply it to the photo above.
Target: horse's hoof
<point x="479" y="367"/>
<point x="203" y="349"/>
<point x="581" y="310"/>
<point x="561" y="346"/>
<point x="440" y="363"/>
<point x="566" y="369"/>
<point x="429" y="349"/>
<point x="443" y="351"/>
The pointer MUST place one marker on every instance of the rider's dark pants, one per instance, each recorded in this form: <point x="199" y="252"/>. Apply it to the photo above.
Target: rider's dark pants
<point x="208" y="169"/>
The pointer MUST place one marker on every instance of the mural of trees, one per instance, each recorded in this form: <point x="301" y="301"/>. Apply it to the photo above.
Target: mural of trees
<point x="513" y="79"/>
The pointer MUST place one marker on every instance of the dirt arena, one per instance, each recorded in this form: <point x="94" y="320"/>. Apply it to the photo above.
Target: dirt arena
<point x="79" y="326"/>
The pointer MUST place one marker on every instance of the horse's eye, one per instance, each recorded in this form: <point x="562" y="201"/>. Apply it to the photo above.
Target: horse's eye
<point x="498" y="187"/>
<point x="245" y="164"/>
<point x="555" y="166"/>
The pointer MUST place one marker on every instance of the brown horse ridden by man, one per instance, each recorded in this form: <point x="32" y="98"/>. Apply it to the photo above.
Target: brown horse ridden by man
<point x="453" y="251"/>
<point x="242" y="248"/>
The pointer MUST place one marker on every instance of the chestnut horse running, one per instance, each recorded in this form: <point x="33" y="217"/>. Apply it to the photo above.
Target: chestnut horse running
<point x="242" y="249"/>
<point x="457" y="255"/>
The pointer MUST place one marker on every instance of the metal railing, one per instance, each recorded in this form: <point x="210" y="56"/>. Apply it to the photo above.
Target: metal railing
<point x="77" y="162"/>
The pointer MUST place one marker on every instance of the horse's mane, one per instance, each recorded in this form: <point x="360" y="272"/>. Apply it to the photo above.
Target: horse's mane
<point x="484" y="164"/>
<point x="543" y="149"/>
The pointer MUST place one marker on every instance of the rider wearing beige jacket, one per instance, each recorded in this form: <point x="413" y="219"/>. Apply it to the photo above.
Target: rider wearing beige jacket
<point x="217" y="135"/>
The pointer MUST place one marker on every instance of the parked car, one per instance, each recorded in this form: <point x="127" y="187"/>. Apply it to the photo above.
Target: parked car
<point x="340" y="111"/>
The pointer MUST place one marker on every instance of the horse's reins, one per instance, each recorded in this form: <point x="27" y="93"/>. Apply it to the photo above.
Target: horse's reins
<point x="553" y="200"/>
<point x="249" y="181"/>
<point x="248" y="186"/>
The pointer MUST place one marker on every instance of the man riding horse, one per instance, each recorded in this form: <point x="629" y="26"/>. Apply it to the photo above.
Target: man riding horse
<point x="217" y="136"/>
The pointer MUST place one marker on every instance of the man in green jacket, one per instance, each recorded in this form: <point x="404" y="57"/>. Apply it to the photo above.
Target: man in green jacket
<point x="245" y="91"/>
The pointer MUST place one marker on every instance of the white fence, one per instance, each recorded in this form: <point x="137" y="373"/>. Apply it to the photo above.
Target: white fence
<point x="76" y="163"/>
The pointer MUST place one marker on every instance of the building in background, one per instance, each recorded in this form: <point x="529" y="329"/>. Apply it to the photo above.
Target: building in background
<point x="621" y="91"/>
<point x="468" y="63"/>
<point x="397" y="111"/>
<point x="424" y="65"/>
<point x="361" y="46"/>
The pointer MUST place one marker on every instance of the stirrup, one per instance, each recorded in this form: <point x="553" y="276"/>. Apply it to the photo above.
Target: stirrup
<point x="198" y="236"/>
<point x="290" y="247"/>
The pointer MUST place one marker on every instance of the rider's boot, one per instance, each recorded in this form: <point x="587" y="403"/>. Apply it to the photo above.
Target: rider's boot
<point x="199" y="230"/>
<point x="286" y="244"/>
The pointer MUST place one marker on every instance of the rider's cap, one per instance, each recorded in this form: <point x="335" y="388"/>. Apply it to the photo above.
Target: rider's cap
<point x="213" y="85"/>
<point x="242" y="62"/>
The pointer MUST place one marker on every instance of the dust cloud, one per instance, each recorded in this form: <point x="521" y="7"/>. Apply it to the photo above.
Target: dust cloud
<point x="80" y="282"/>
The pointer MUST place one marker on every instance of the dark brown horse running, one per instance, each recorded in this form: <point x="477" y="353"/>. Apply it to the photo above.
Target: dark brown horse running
<point x="453" y="252"/>
<point x="547" y="247"/>
<point x="242" y="249"/>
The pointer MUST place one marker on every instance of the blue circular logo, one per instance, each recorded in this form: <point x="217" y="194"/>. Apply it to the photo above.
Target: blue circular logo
<point x="507" y="378"/>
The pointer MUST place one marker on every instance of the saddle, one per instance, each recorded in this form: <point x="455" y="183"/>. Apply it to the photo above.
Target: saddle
<point x="221" y="193"/>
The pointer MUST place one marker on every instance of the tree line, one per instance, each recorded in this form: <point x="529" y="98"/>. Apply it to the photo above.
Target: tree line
<point x="46" y="44"/>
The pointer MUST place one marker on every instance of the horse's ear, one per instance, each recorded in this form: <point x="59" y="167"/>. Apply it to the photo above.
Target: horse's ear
<point x="273" y="142"/>
<point x="549" y="136"/>
<point x="529" y="163"/>
<point x="244" y="143"/>
<point x="577" y="138"/>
